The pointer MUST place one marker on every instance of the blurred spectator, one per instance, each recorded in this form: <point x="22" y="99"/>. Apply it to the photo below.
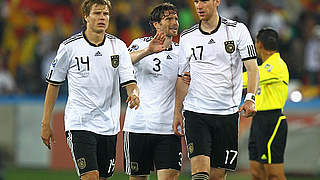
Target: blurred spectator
<point x="232" y="10"/>
<point x="266" y="15"/>
<point x="312" y="54"/>
<point x="7" y="83"/>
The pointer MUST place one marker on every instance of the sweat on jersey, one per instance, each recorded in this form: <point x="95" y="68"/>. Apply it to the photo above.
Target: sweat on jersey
<point x="93" y="73"/>
<point x="215" y="63"/>
<point x="156" y="76"/>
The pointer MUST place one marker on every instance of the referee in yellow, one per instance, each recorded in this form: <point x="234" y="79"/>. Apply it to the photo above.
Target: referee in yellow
<point x="268" y="132"/>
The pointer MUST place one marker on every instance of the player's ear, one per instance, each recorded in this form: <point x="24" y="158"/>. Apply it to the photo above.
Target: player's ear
<point x="156" y="25"/>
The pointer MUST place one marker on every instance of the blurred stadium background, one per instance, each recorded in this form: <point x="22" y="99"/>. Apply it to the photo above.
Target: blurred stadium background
<point x="31" y="30"/>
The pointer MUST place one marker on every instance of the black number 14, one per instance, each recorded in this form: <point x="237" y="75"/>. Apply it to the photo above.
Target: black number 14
<point x="82" y="62"/>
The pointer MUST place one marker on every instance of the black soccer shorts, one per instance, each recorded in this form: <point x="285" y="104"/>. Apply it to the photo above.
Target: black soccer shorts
<point x="268" y="136"/>
<point x="143" y="152"/>
<point x="91" y="151"/>
<point x="212" y="135"/>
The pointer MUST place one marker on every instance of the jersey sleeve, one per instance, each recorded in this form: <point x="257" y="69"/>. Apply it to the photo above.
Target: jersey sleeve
<point x="59" y="67"/>
<point x="184" y="62"/>
<point x="267" y="73"/>
<point x="126" y="70"/>
<point x="135" y="46"/>
<point x="246" y="46"/>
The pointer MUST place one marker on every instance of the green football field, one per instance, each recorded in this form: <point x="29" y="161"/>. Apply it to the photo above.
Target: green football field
<point x="41" y="174"/>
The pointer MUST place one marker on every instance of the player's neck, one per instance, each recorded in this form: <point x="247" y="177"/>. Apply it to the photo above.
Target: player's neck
<point x="93" y="37"/>
<point x="266" y="54"/>
<point x="210" y="24"/>
<point x="167" y="43"/>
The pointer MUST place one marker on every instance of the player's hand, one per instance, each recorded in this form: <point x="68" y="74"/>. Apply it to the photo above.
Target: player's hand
<point x="157" y="43"/>
<point x="249" y="109"/>
<point x="178" y="121"/>
<point x="134" y="101"/>
<point x="47" y="135"/>
<point x="186" y="78"/>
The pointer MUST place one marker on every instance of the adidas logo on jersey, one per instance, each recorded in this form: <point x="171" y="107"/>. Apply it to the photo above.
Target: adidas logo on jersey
<point x="211" y="41"/>
<point x="98" y="54"/>
<point x="169" y="57"/>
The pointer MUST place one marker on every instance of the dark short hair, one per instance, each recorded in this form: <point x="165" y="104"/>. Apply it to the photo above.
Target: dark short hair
<point x="87" y="5"/>
<point x="269" y="39"/>
<point x="158" y="12"/>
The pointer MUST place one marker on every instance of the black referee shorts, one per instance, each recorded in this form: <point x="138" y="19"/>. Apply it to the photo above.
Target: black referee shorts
<point x="268" y="136"/>
<point x="213" y="135"/>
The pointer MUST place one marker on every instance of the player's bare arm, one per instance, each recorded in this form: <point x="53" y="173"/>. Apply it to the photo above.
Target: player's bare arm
<point x="181" y="92"/>
<point x="133" y="95"/>
<point x="50" y="100"/>
<point x="253" y="81"/>
<point x="155" y="45"/>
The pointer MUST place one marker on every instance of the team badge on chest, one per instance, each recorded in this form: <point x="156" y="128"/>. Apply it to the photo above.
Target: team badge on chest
<point x="229" y="46"/>
<point x="115" y="61"/>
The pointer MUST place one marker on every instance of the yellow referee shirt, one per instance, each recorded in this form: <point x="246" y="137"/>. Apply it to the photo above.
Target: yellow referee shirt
<point x="273" y="84"/>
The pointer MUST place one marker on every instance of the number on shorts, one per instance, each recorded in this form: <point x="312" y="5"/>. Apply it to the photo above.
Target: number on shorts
<point x="180" y="162"/>
<point x="233" y="158"/>
<point x="111" y="166"/>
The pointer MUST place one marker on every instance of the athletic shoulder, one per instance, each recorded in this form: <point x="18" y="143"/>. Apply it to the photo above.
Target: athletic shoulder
<point x="229" y="22"/>
<point x="189" y="30"/>
<point x="73" y="38"/>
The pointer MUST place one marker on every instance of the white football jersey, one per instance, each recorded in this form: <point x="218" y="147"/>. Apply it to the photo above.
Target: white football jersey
<point x="215" y="63"/>
<point x="156" y="77"/>
<point x="93" y="73"/>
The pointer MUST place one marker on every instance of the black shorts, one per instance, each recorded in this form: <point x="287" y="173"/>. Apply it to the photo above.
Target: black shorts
<point x="91" y="151"/>
<point x="143" y="152"/>
<point x="215" y="136"/>
<point x="268" y="136"/>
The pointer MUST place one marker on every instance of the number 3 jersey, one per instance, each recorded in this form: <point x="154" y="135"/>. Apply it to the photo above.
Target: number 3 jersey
<point x="93" y="73"/>
<point x="156" y="77"/>
<point x="215" y="61"/>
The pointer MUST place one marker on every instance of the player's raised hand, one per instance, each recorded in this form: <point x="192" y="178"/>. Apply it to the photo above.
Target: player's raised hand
<point x="178" y="121"/>
<point x="157" y="43"/>
<point x="249" y="109"/>
<point x="47" y="135"/>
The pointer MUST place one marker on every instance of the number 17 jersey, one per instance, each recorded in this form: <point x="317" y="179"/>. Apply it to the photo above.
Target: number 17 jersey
<point x="156" y="77"/>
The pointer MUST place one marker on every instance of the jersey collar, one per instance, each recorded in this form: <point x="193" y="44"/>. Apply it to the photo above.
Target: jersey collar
<point x="85" y="37"/>
<point x="215" y="30"/>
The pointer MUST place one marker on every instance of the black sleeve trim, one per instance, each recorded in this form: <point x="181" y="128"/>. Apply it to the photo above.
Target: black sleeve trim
<point x="128" y="82"/>
<point x="54" y="82"/>
<point x="248" y="58"/>
<point x="285" y="83"/>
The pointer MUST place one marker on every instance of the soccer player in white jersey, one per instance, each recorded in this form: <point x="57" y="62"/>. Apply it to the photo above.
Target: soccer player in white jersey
<point x="149" y="140"/>
<point x="214" y="51"/>
<point x="95" y="64"/>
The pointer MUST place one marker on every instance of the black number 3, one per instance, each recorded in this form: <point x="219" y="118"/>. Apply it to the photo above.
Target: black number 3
<point x="157" y="65"/>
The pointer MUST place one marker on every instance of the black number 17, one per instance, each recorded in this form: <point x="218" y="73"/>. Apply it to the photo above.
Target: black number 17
<point x="194" y="53"/>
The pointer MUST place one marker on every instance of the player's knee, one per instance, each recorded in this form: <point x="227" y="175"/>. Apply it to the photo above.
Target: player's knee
<point x="92" y="175"/>
<point x="276" y="176"/>
<point x="200" y="176"/>
<point x="168" y="174"/>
